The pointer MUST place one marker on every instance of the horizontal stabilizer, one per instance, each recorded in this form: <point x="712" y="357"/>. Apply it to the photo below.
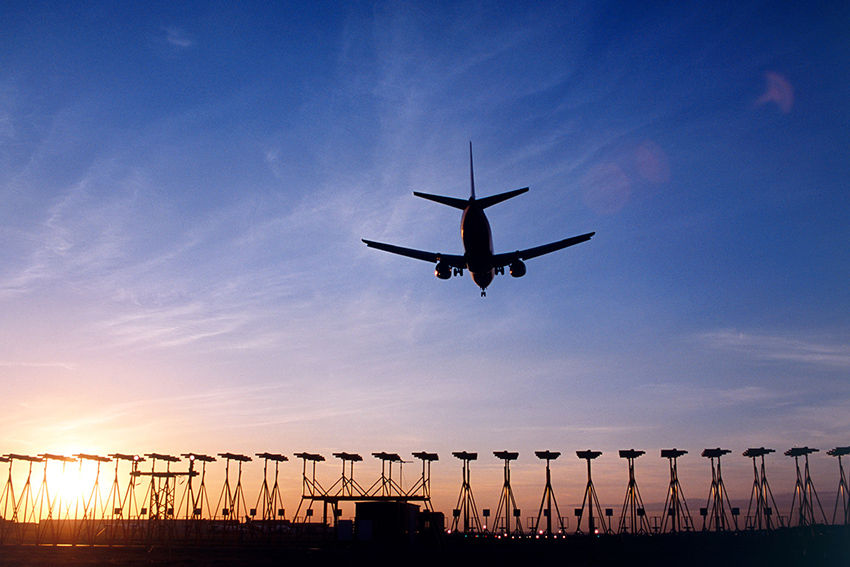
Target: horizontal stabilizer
<point x="463" y="203"/>
<point x="494" y="199"/>
<point x="450" y="201"/>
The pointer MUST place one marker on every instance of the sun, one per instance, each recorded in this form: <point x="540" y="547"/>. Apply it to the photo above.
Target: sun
<point x="73" y="487"/>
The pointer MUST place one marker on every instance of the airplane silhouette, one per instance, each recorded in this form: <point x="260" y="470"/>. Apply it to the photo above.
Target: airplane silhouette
<point x="477" y="239"/>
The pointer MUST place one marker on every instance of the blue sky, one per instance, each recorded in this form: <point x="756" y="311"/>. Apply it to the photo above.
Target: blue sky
<point x="185" y="189"/>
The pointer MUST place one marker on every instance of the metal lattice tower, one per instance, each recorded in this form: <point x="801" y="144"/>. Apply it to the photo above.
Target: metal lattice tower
<point x="194" y="503"/>
<point x="161" y="493"/>
<point x="590" y="500"/>
<point x="424" y="482"/>
<point x="805" y="495"/>
<point x="234" y="500"/>
<point x="760" y="518"/>
<point x="466" y="502"/>
<point x="93" y="507"/>
<point x="6" y="496"/>
<point x="346" y="485"/>
<point x="41" y="497"/>
<point x="310" y="487"/>
<point x="843" y="495"/>
<point x="161" y="489"/>
<point x="24" y="506"/>
<point x="675" y="505"/>
<point x="115" y="500"/>
<point x="272" y="502"/>
<point x="715" y="512"/>
<point x="633" y="517"/>
<point x="53" y="519"/>
<point x="386" y="486"/>
<point x="507" y="503"/>
<point x="548" y="497"/>
<point x="129" y="504"/>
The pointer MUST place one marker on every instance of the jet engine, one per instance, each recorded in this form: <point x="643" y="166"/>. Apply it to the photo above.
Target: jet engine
<point x="517" y="269"/>
<point x="443" y="271"/>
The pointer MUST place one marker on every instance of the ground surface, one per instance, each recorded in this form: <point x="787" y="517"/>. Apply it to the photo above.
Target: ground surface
<point x="827" y="546"/>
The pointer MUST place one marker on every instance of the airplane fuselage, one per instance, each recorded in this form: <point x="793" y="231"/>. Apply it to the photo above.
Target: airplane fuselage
<point x="477" y="244"/>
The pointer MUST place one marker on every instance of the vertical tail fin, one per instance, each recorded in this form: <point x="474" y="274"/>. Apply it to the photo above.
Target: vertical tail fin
<point x="471" y="175"/>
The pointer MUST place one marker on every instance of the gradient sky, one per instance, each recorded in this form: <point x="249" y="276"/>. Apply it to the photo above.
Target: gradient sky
<point x="184" y="190"/>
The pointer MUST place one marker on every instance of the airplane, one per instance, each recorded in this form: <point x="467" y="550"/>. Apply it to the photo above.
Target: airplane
<point x="478" y="256"/>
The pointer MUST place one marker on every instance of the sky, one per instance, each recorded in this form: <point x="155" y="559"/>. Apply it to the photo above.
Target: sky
<point x="185" y="188"/>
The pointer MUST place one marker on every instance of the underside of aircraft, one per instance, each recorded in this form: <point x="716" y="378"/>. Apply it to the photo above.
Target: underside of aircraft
<point x="478" y="256"/>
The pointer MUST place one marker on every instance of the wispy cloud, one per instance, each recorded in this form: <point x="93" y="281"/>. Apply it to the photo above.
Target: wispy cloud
<point x="81" y="233"/>
<point x="161" y="280"/>
<point x="24" y="364"/>
<point x="178" y="37"/>
<point x="688" y="397"/>
<point x="8" y="94"/>
<point x="170" y="327"/>
<point x="780" y="348"/>
<point x="132" y="420"/>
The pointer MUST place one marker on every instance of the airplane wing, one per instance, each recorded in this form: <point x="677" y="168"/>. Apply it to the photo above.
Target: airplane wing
<point x="453" y="260"/>
<point x="500" y="260"/>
